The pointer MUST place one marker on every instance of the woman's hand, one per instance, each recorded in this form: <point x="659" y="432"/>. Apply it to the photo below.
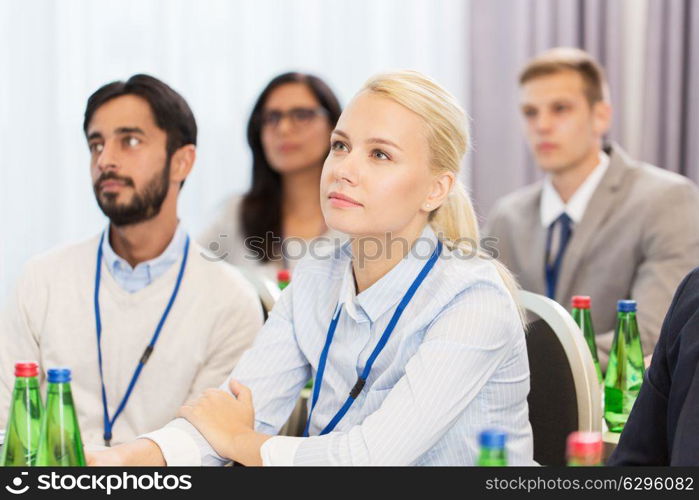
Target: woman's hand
<point x="225" y="421"/>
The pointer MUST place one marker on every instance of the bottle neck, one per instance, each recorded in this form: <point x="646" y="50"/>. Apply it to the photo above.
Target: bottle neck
<point x="58" y="389"/>
<point x="26" y="383"/>
<point x="628" y="325"/>
<point x="580" y="312"/>
<point x="583" y="318"/>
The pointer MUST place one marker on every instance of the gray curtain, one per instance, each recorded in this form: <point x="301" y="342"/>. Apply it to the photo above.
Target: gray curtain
<point x="671" y="107"/>
<point x="656" y="102"/>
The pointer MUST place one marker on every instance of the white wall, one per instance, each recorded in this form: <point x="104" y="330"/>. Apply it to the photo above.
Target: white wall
<point x="218" y="54"/>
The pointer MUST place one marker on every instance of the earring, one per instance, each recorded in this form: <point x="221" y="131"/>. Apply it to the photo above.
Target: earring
<point x="428" y="206"/>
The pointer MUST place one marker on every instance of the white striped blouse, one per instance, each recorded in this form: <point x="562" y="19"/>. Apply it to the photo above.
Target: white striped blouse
<point x="455" y="365"/>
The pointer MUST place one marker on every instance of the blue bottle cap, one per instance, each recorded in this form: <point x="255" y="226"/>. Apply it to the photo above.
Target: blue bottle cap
<point x="626" y="306"/>
<point x="493" y="438"/>
<point x="58" y="375"/>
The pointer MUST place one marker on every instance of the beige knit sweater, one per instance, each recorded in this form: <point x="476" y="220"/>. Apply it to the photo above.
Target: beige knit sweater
<point x="50" y="319"/>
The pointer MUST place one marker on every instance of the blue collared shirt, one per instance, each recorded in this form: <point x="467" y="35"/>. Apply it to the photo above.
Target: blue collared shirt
<point x="133" y="279"/>
<point x="455" y="365"/>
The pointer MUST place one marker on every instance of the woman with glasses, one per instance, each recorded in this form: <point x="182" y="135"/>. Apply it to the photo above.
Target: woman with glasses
<point x="289" y="136"/>
<point x="411" y="333"/>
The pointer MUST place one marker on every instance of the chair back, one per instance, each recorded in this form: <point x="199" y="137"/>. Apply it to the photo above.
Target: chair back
<point x="565" y="395"/>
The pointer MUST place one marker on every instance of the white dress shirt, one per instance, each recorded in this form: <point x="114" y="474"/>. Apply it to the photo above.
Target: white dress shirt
<point x="552" y="207"/>
<point x="455" y="365"/>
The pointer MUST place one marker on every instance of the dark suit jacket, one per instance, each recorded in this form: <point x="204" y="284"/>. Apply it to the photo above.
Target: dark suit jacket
<point x="663" y="428"/>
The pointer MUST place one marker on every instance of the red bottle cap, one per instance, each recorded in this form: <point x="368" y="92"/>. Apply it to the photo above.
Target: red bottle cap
<point x="581" y="301"/>
<point x="284" y="275"/>
<point x="26" y="369"/>
<point x="584" y="444"/>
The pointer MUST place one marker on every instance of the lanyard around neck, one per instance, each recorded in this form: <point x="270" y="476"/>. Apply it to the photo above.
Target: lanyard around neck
<point x="359" y="385"/>
<point x="109" y="423"/>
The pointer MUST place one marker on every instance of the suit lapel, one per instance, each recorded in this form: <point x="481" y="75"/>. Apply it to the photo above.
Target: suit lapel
<point x="598" y="209"/>
<point x="537" y="249"/>
<point x="529" y="243"/>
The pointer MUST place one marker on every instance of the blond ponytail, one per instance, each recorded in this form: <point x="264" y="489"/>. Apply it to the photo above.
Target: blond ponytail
<point x="447" y="133"/>
<point x="456" y="221"/>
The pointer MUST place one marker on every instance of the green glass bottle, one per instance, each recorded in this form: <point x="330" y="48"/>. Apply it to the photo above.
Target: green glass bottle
<point x="24" y="420"/>
<point x="584" y="449"/>
<point x="625" y="369"/>
<point x="581" y="315"/>
<point x="283" y="278"/>
<point x="60" y="443"/>
<point x="492" y="442"/>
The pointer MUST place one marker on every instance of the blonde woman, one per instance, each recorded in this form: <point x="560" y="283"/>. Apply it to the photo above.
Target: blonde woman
<point x="413" y="338"/>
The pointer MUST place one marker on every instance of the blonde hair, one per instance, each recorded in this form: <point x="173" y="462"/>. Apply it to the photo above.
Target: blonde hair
<point x="448" y="139"/>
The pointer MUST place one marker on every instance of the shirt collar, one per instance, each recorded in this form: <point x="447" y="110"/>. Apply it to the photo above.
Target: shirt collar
<point x="373" y="302"/>
<point x="552" y="206"/>
<point x="152" y="268"/>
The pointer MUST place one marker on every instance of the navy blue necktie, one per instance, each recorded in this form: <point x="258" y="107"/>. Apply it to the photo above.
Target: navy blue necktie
<point x="553" y="266"/>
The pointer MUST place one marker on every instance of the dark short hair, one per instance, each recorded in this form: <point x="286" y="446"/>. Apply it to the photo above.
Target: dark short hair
<point x="561" y="59"/>
<point x="171" y="112"/>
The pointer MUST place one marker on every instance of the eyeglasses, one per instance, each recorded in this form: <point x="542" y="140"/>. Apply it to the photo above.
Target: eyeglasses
<point x="299" y="116"/>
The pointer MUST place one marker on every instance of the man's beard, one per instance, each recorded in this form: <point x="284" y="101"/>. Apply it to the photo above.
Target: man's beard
<point x="143" y="206"/>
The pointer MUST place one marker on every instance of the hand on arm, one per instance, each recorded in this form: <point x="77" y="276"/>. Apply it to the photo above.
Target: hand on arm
<point x="227" y="423"/>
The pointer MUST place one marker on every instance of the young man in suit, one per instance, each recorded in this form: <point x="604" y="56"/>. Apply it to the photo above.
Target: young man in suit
<point x="662" y="428"/>
<point x="599" y="223"/>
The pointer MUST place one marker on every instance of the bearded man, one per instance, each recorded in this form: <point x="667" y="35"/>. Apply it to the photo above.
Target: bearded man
<point x="141" y="317"/>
